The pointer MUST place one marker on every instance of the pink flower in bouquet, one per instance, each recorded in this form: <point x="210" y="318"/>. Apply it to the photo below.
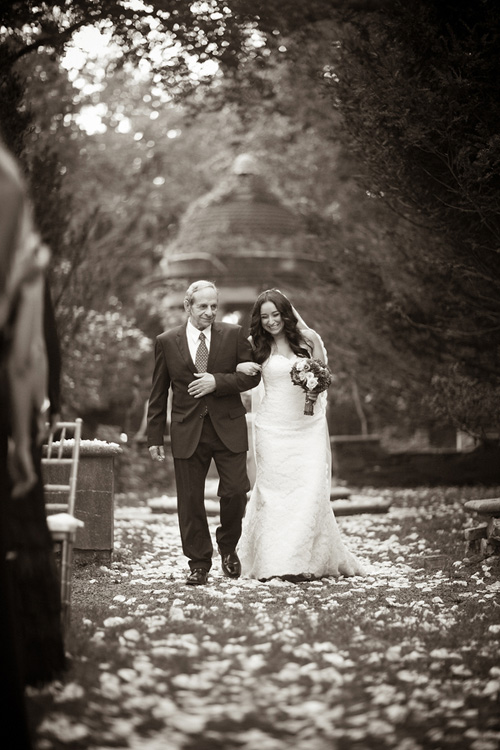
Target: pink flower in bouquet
<point x="313" y="376"/>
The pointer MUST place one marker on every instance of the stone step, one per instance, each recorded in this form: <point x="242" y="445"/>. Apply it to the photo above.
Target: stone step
<point x="360" y="504"/>
<point x="343" y="507"/>
<point x="488" y="506"/>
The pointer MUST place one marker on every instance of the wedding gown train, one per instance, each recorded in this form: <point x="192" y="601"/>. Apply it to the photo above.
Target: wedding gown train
<point x="289" y="528"/>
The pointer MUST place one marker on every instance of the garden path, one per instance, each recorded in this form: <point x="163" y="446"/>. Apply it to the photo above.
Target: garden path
<point x="406" y="658"/>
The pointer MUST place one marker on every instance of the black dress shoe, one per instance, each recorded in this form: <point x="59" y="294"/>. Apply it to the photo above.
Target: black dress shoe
<point x="231" y="565"/>
<point x="197" y="577"/>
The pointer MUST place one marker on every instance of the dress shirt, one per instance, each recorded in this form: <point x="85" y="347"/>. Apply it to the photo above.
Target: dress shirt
<point x="193" y="338"/>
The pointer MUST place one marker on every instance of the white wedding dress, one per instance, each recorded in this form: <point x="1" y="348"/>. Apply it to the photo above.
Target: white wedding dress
<point x="289" y="528"/>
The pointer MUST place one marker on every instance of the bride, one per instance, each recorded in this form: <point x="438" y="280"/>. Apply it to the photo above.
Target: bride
<point x="289" y="529"/>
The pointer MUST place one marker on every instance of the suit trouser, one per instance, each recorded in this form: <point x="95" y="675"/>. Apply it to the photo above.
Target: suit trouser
<point x="190" y="477"/>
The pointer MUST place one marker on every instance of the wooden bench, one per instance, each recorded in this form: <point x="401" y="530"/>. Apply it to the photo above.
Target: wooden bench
<point x="484" y="538"/>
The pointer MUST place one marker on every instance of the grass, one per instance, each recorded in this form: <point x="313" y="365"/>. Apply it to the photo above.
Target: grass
<point x="406" y="658"/>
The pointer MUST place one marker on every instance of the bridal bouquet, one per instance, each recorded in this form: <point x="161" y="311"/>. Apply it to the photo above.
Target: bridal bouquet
<point x="313" y="376"/>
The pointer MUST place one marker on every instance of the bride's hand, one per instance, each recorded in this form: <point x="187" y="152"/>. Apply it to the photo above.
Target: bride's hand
<point x="248" y="368"/>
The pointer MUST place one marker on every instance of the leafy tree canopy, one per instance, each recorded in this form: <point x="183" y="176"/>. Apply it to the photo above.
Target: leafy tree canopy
<point x="418" y="90"/>
<point x="411" y="90"/>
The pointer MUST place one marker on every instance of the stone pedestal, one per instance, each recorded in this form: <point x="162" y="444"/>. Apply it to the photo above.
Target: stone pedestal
<point x="94" y="499"/>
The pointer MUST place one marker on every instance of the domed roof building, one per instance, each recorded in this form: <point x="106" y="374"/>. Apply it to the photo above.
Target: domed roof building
<point x="243" y="237"/>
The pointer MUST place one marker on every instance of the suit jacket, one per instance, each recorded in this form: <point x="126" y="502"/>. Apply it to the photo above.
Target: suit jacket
<point x="175" y="369"/>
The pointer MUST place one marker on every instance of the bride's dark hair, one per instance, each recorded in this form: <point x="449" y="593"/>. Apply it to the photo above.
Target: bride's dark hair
<point x="262" y="339"/>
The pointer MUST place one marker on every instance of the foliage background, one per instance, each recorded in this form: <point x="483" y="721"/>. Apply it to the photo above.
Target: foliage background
<point x="376" y="121"/>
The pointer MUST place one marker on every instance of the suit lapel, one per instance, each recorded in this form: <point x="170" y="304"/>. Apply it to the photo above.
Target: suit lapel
<point x="182" y="343"/>
<point x="215" y="342"/>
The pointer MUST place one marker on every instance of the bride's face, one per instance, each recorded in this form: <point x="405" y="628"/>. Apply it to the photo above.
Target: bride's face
<point x="271" y="319"/>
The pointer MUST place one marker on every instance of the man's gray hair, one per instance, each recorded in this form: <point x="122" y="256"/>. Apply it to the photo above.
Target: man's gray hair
<point x="195" y="287"/>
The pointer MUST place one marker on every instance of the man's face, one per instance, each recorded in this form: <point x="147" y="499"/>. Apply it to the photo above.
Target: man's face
<point x="203" y="308"/>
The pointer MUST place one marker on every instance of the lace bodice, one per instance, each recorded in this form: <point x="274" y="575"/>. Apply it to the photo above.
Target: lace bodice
<point x="283" y="401"/>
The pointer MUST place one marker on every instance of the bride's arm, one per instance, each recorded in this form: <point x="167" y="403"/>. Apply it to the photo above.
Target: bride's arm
<point x="249" y="368"/>
<point x="314" y="341"/>
<point x="311" y="338"/>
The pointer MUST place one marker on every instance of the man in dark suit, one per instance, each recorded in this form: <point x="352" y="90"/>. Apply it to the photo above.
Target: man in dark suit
<point x="207" y="421"/>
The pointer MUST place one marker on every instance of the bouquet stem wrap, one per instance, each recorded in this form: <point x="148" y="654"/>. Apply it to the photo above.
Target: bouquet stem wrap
<point x="309" y="405"/>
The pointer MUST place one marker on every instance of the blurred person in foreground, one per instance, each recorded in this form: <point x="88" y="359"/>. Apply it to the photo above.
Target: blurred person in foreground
<point x="198" y="361"/>
<point x="32" y="637"/>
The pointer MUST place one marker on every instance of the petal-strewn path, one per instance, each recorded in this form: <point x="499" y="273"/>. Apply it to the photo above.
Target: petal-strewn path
<point x="406" y="658"/>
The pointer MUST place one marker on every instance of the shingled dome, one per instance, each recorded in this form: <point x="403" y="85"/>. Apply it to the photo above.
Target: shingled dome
<point x="241" y="205"/>
<point x="242" y="236"/>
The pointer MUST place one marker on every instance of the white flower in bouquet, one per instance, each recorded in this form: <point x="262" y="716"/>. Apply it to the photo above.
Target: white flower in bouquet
<point x="311" y="381"/>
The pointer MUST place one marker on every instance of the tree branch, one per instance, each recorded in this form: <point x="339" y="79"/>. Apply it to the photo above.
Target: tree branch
<point x="43" y="41"/>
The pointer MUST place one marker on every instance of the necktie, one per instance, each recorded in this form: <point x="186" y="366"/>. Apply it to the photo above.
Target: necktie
<point x="201" y="361"/>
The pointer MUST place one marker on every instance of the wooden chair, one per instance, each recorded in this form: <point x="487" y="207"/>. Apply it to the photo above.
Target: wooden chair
<point x="60" y="498"/>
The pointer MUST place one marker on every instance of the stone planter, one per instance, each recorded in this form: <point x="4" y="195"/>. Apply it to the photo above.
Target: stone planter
<point x="94" y="498"/>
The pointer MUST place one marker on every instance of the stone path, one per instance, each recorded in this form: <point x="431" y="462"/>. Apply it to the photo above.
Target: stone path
<point x="404" y="659"/>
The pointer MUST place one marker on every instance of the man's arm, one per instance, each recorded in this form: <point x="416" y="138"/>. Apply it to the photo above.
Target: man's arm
<point x="230" y="383"/>
<point x="157" y="406"/>
<point x="27" y="373"/>
<point x="22" y="266"/>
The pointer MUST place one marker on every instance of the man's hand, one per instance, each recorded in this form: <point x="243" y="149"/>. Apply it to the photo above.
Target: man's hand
<point x="203" y="385"/>
<point x="157" y="452"/>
